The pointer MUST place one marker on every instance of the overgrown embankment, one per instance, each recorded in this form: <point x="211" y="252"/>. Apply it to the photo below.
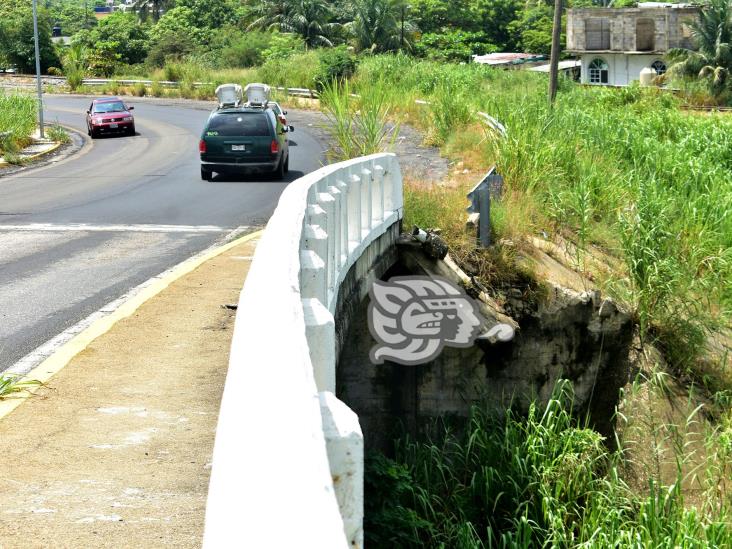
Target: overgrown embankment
<point x="537" y="481"/>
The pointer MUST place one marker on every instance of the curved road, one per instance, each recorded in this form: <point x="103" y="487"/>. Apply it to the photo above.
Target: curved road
<point x="80" y="233"/>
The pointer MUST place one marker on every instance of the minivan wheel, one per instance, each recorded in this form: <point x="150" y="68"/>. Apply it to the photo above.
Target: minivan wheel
<point x="206" y="175"/>
<point x="280" y="171"/>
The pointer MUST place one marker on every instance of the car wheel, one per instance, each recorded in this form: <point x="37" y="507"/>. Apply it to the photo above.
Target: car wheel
<point x="287" y="164"/>
<point x="206" y="175"/>
<point x="131" y="131"/>
<point x="93" y="133"/>
<point x="280" y="171"/>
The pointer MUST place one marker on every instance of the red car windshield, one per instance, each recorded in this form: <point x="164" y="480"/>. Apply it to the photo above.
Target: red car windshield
<point x="110" y="106"/>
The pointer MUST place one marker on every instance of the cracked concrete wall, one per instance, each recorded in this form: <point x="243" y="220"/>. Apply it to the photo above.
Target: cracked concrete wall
<point x="570" y="335"/>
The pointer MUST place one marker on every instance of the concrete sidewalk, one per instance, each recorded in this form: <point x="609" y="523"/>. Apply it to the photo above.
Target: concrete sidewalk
<point x="116" y="450"/>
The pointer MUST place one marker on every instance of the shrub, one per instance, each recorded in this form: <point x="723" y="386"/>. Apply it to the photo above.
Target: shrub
<point x="156" y="89"/>
<point x="173" y="71"/>
<point x="170" y="48"/>
<point x="139" y="89"/>
<point x="334" y="64"/>
<point x="56" y="133"/>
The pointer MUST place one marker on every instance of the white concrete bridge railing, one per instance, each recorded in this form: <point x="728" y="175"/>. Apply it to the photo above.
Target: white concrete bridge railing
<point x="288" y="459"/>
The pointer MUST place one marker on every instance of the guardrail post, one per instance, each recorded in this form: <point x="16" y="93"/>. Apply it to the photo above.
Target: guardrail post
<point x="377" y="212"/>
<point x="366" y="199"/>
<point x="354" y="211"/>
<point x="320" y="331"/>
<point x="344" y="444"/>
<point x="480" y="198"/>
<point x="343" y="221"/>
<point x="337" y="234"/>
<point x="327" y="202"/>
<point x="312" y="276"/>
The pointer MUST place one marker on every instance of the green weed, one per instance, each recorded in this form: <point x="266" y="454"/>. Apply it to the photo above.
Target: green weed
<point x="13" y="384"/>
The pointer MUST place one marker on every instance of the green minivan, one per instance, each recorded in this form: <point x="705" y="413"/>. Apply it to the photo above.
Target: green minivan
<point x="238" y="140"/>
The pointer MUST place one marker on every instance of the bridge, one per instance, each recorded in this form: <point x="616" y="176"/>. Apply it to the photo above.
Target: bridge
<point x="288" y="456"/>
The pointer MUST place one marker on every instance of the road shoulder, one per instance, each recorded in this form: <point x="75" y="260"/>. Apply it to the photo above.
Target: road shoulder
<point x="116" y="450"/>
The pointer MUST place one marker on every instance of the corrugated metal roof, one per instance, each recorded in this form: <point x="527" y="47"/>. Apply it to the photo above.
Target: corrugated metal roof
<point x="508" y="58"/>
<point x="563" y="66"/>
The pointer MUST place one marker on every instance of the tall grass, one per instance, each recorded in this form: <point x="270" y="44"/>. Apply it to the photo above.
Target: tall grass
<point x="359" y="124"/>
<point x="623" y="169"/>
<point x="17" y="120"/>
<point x="537" y="481"/>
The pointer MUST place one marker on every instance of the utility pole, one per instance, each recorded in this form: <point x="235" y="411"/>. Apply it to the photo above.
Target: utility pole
<point x="39" y="88"/>
<point x="401" y="35"/>
<point x="554" y="60"/>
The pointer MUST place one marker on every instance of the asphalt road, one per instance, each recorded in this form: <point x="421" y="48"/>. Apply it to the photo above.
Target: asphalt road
<point x="82" y="232"/>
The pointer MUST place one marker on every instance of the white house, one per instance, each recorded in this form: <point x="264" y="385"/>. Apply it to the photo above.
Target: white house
<point x="615" y="44"/>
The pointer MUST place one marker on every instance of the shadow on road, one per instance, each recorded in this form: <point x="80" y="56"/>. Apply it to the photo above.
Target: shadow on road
<point x="256" y="178"/>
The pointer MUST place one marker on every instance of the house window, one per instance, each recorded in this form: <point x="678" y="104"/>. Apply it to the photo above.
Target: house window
<point x="645" y="30"/>
<point x="659" y="66"/>
<point x="597" y="33"/>
<point x="598" y="72"/>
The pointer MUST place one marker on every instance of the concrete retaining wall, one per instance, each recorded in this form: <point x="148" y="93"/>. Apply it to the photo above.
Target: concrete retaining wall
<point x="288" y="458"/>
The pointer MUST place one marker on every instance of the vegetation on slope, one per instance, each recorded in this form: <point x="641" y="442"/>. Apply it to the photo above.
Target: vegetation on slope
<point x="17" y="121"/>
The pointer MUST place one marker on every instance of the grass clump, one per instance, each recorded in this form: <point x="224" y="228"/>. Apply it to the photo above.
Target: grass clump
<point x="57" y="133"/>
<point x="543" y="480"/>
<point x="360" y="125"/>
<point x="13" y="384"/>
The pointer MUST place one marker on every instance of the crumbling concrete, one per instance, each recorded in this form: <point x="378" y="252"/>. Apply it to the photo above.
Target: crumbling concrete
<point x="568" y="334"/>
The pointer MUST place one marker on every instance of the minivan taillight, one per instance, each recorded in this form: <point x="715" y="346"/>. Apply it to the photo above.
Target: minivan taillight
<point x="274" y="147"/>
<point x="202" y="146"/>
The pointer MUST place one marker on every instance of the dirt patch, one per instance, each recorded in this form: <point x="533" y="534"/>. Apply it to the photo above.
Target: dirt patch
<point x="117" y="451"/>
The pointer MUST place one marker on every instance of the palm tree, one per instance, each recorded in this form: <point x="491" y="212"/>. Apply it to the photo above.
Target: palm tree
<point x="309" y="19"/>
<point x="381" y="25"/>
<point x="713" y="34"/>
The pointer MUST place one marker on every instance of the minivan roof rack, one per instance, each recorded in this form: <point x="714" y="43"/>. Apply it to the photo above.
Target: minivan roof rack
<point x="229" y="95"/>
<point x="257" y="94"/>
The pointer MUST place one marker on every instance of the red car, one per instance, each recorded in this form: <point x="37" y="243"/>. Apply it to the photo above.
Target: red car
<point x="109" y="115"/>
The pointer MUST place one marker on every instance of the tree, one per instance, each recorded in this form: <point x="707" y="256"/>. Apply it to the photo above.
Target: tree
<point x="16" y="40"/>
<point x="180" y="21"/>
<point x="310" y="19"/>
<point x="143" y="8"/>
<point x="212" y="14"/>
<point x="713" y="35"/>
<point x="453" y="45"/>
<point x="493" y="17"/>
<point x="380" y="26"/>
<point x="532" y="31"/>
<point x="119" y="34"/>
<point x="435" y="15"/>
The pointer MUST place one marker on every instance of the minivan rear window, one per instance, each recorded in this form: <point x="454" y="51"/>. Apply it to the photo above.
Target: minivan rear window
<point x="240" y="124"/>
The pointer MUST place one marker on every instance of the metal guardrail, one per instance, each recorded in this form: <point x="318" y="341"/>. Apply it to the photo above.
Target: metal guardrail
<point x="480" y="198"/>
<point x="295" y="92"/>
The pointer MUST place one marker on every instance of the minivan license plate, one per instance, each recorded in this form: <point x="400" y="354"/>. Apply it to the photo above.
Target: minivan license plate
<point x="238" y="147"/>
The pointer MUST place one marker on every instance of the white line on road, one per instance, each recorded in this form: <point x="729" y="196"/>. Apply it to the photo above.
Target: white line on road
<point x="38" y="355"/>
<point x="51" y="227"/>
